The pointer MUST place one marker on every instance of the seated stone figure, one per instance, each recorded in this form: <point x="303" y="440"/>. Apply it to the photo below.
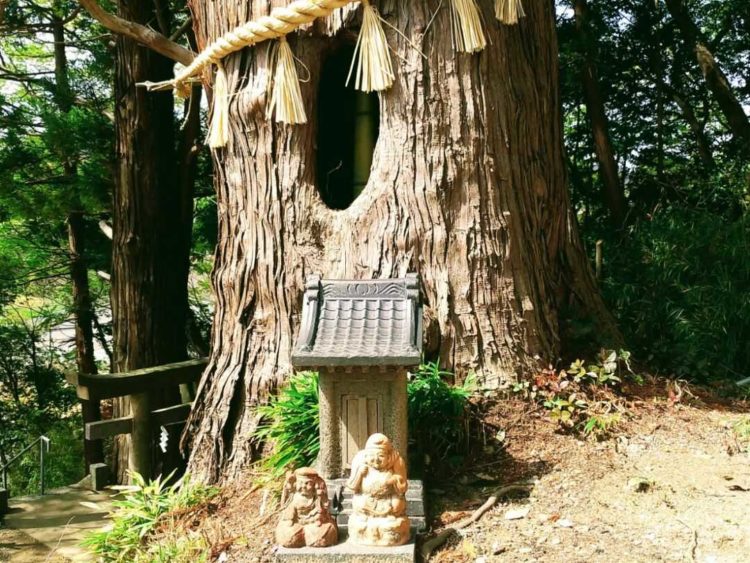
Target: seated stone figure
<point x="306" y="519"/>
<point x="378" y="480"/>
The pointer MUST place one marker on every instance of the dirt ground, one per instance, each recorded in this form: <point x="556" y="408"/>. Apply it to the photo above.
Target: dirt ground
<point x="17" y="547"/>
<point x="671" y="484"/>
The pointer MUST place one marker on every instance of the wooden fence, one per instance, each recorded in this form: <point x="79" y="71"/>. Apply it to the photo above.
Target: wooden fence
<point x="139" y="385"/>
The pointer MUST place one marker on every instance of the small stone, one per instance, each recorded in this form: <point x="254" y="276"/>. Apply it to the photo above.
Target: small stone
<point x="517" y="514"/>
<point x="639" y="485"/>
<point x="555" y="541"/>
<point x="497" y="549"/>
<point x="564" y="523"/>
<point x="525" y="550"/>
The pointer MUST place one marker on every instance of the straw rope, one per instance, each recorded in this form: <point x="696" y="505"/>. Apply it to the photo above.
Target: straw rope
<point x="508" y="11"/>
<point x="280" y="22"/>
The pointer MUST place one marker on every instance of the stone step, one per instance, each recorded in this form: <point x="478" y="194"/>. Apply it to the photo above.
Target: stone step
<point x="415" y="485"/>
<point x="416" y="523"/>
<point x="413" y="506"/>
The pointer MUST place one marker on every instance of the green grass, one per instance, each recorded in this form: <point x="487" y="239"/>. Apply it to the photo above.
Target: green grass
<point x="134" y="519"/>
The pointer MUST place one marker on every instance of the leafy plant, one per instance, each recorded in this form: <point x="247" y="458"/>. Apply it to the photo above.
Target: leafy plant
<point x="601" y="425"/>
<point x="437" y="417"/>
<point x="564" y="410"/>
<point x="580" y="397"/>
<point x="137" y="515"/>
<point x="437" y="410"/>
<point x="292" y="423"/>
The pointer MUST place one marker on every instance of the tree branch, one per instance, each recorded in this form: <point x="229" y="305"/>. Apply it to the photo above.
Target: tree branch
<point x="144" y="35"/>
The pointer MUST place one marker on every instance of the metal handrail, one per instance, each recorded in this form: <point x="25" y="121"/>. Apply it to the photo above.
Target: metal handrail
<point x="44" y="443"/>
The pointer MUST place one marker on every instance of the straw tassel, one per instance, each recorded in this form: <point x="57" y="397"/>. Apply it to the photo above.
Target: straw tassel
<point x="286" y="97"/>
<point x="468" y="36"/>
<point x="508" y="11"/>
<point x="218" y="133"/>
<point x="374" y="70"/>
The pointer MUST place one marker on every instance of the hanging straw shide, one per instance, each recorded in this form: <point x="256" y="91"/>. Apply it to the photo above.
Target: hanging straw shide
<point x="468" y="36"/>
<point x="218" y="132"/>
<point x="374" y="70"/>
<point x="286" y="98"/>
<point x="508" y="11"/>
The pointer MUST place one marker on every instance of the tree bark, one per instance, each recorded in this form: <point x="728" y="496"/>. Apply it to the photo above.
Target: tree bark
<point x="614" y="195"/>
<point x="716" y="80"/>
<point x="467" y="188"/>
<point x="150" y="255"/>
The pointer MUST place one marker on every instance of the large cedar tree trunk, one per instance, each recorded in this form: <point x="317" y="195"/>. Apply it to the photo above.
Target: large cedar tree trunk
<point x="467" y="188"/>
<point x="151" y="243"/>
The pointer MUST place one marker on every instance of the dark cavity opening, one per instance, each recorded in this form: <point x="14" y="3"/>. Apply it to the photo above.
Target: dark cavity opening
<point x="348" y="123"/>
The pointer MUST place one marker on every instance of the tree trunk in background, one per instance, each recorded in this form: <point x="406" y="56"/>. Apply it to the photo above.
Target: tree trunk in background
<point x="84" y="333"/>
<point x="703" y="144"/>
<point x="83" y="313"/>
<point x="614" y="195"/>
<point x="716" y="80"/>
<point x="467" y="188"/>
<point x="150" y="259"/>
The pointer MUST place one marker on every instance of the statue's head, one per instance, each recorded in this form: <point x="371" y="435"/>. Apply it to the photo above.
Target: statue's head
<point x="379" y="452"/>
<point x="306" y="482"/>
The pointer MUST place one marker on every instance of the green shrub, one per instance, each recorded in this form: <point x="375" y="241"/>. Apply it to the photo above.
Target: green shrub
<point x="680" y="287"/>
<point x="581" y="398"/>
<point x="136" y="516"/>
<point x="437" y="411"/>
<point x="292" y="423"/>
<point x="436" y="418"/>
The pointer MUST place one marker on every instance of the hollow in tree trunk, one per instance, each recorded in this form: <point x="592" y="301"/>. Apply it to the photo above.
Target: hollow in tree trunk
<point x="467" y="188"/>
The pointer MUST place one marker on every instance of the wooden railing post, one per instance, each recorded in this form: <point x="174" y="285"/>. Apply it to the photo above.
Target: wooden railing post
<point x="141" y="435"/>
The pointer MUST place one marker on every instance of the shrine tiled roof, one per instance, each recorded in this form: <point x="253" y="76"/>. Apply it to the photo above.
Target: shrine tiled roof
<point x="357" y="323"/>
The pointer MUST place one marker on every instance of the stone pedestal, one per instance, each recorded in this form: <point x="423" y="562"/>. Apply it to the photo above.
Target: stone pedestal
<point x="346" y="552"/>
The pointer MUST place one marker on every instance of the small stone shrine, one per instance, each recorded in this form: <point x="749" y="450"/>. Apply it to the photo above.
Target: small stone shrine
<point x="362" y="337"/>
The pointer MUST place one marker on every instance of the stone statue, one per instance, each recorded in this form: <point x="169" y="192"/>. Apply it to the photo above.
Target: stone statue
<point x="306" y="520"/>
<point x="379" y="483"/>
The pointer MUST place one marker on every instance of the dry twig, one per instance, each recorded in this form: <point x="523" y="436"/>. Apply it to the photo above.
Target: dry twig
<point x="432" y="544"/>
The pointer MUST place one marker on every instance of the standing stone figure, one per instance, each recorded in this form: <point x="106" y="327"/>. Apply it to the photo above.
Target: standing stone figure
<point x="306" y="520"/>
<point x="379" y="483"/>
